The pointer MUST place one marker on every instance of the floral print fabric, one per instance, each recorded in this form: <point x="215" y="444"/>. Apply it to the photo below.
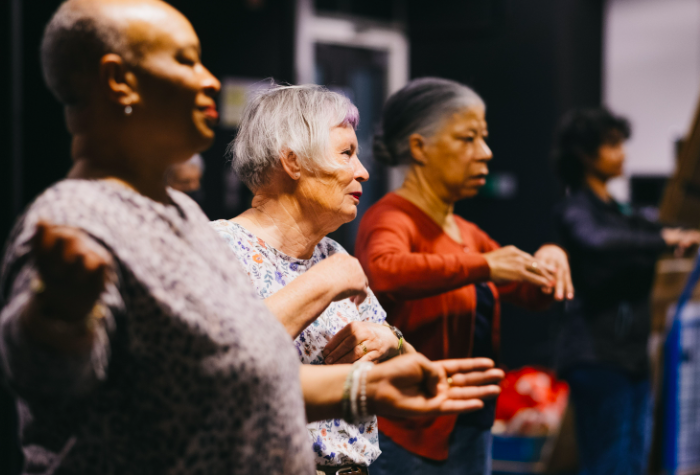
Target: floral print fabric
<point x="335" y="442"/>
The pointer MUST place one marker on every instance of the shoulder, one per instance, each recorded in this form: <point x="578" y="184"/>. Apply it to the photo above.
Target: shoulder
<point x="327" y="247"/>
<point x="391" y="205"/>
<point x="90" y="205"/>
<point x="576" y="204"/>
<point x="235" y="235"/>
<point x="393" y="214"/>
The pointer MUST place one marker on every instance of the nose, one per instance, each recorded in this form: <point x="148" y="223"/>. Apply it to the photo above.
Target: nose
<point x="210" y="84"/>
<point x="361" y="173"/>
<point x="484" y="152"/>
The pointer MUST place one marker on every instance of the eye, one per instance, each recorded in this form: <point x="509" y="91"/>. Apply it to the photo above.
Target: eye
<point x="188" y="58"/>
<point x="348" y="152"/>
<point x="467" y="139"/>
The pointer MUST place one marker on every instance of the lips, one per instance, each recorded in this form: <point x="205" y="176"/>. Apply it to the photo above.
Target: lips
<point x="210" y="112"/>
<point x="480" y="179"/>
<point x="356" y="195"/>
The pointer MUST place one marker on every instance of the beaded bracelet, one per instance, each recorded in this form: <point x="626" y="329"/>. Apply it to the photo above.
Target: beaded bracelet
<point x="356" y="383"/>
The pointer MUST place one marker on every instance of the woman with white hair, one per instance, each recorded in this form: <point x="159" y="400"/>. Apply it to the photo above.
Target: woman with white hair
<point x="297" y="151"/>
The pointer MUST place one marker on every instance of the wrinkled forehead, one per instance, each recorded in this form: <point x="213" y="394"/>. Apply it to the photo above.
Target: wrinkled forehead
<point x="151" y="25"/>
<point x="470" y="118"/>
<point x="343" y="135"/>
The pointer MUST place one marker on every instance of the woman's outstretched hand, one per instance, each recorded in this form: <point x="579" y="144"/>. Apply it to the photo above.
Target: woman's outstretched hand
<point x="554" y="257"/>
<point x="510" y="264"/>
<point x="413" y="386"/>
<point x="73" y="271"/>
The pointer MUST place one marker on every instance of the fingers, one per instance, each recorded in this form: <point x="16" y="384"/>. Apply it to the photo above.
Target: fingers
<point x="351" y="343"/>
<point x="360" y="297"/>
<point x="465" y="365"/>
<point x="569" y="284"/>
<point x="478" y="378"/>
<point x="560" y="285"/>
<point x="467" y="399"/>
<point x="73" y="267"/>
<point x="474" y="392"/>
<point x="452" y="406"/>
<point x="338" y="346"/>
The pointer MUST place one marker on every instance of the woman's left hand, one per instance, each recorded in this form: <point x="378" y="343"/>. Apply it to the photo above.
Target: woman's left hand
<point x="364" y="341"/>
<point x="556" y="258"/>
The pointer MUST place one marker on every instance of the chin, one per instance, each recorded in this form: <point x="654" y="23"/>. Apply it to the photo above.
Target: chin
<point x="469" y="193"/>
<point x="350" y="215"/>
<point x="204" y="141"/>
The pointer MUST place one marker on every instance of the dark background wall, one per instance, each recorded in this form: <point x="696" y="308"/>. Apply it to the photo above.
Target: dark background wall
<point x="531" y="61"/>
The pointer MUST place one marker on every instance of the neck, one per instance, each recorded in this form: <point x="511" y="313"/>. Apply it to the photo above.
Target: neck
<point x="416" y="188"/>
<point x="598" y="186"/>
<point x="283" y="223"/>
<point x="102" y="157"/>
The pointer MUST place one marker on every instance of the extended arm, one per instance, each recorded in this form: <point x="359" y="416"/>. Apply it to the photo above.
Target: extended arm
<point x="407" y="386"/>
<point x="585" y="231"/>
<point x="53" y="336"/>
<point x="395" y="270"/>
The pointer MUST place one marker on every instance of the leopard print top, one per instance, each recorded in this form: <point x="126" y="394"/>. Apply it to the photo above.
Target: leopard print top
<point x="190" y="373"/>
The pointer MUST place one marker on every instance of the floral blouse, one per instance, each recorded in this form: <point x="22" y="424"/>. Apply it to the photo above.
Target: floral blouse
<point x="335" y="442"/>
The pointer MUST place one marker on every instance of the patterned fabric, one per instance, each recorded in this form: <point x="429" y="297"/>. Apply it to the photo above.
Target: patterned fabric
<point x="335" y="441"/>
<point x="190" y="373"/>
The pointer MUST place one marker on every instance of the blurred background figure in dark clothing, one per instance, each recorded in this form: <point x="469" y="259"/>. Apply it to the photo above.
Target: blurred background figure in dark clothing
<point x="187" y="177"/>
<point x="602" y="348"/>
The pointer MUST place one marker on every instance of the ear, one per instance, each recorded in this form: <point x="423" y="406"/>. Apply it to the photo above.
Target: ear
<point x="416" y="143"/>
<point x="119" y="82"/>
<point x="290" y="164"/>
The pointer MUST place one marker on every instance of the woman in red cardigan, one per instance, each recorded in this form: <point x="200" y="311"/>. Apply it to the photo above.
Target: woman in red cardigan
<point x="439" y="277"/>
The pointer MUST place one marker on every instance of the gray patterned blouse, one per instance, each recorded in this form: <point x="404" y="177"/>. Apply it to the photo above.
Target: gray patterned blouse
<point x="190" y="373"/>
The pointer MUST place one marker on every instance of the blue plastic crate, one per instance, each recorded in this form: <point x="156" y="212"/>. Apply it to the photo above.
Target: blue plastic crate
<point x="513" y="455"/>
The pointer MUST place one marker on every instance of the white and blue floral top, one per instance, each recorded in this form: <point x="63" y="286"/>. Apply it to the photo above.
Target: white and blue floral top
<point x="335" y="442"/>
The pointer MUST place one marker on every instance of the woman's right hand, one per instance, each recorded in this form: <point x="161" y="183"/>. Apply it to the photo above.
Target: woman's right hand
<point x="344" y="276"/>
<point x="73" y="270"/>
<point x="510" y="264"/>
<point x="413" y="386"/>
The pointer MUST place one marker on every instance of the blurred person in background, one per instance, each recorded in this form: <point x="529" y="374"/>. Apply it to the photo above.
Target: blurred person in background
<point x="187" y="176"/>
<point x="128" y="331"/>
<point x="296" y="149"/>
<point x="602" y="345"/>
<point x="439" y="277"/>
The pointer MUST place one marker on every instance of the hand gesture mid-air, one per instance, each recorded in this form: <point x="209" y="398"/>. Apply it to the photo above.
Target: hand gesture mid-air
<point x="73" y="271"/>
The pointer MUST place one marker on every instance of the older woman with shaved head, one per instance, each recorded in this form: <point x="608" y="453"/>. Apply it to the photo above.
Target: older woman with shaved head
<point x="129" y="333"/>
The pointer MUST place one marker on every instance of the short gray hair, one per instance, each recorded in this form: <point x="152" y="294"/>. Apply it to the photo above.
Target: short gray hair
<point x="419" y="107"/>
<point x="74" y="40"/>
<point x="294" y="118"/>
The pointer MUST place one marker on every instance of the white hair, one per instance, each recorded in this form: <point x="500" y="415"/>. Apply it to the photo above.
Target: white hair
<point x="421" y="106"/>
<point x="288" y="118"/>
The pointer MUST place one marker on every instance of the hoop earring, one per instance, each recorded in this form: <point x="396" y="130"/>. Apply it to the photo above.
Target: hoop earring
<point x="128" y="110"/>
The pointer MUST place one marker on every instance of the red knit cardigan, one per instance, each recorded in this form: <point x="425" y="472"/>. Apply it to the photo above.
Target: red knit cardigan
<point x="423" y="279"/>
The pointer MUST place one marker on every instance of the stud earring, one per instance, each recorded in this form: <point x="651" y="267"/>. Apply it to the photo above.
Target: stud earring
<point x="128" y="110"/>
